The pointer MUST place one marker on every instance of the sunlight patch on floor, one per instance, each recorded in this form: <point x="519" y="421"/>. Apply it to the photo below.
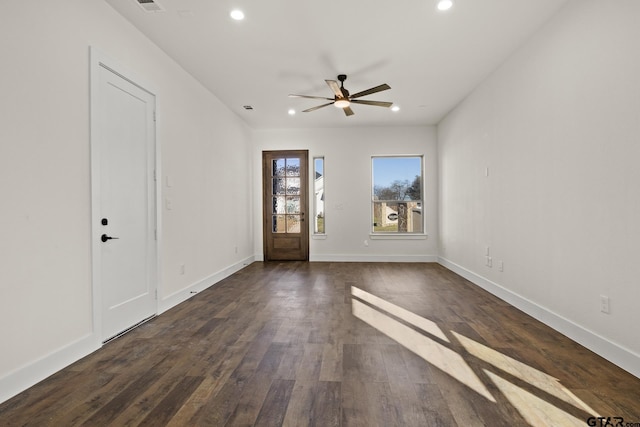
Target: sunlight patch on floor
<point x="532" y="407"/>
<point x="522" y="371"/>
<point x="401" y="313"/>
<point x="433" y="352"/>
<point x="536" y="411"/>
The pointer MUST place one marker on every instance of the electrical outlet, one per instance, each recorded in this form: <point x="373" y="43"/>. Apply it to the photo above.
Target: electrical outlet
<point x="501" y="266"/>
<point x="489" y="262"/>
<point x="182" y="269"/>
<point x="604" y="304"/>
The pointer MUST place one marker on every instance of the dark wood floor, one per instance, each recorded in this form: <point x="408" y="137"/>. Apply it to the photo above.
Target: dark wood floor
<point x="329" y="344"/>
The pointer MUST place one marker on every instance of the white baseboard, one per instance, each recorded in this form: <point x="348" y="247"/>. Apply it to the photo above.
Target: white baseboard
<point x="620" y="356"/>
<point x="372" y="258"/>
<point x="176" y="298"/>
<point x="26" y="376"/>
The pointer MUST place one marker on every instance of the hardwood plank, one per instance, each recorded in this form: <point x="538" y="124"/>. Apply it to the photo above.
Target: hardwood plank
<point x="434" y="406"/>
<point x="363" y="362"/>
<point x="311" y="363"/>
<point x="190" y="407"/>
<point x="409" y="408"/>
<point x="275" y="403"/>
<point x="368" y="404"/>
<point x="331" y="367"/>
<point x="314" y="403"/>
<point x="394" y="363"/>
<point x="290" y="362"/>
<point x="219" y="407"/>
<point x="167" y="408"/>
<point x="251" y="401"/>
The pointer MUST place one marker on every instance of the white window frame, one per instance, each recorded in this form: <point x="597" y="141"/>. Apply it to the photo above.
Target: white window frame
<point x="397" y="235"/>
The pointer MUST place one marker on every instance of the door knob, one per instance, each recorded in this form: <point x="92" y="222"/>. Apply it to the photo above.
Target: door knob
<point x="104" y="238"/>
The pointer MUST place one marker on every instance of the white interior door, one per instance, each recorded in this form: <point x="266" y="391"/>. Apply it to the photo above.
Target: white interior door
<point x="123" y="145"/>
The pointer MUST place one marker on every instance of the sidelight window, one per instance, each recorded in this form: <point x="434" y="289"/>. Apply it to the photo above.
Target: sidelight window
<point x="318" y="190"/>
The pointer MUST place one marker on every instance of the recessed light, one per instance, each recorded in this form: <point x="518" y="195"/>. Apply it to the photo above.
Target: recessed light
<point x="237" y="14"/>
<point x="292" y="112"/>
<point x="395" y="108"/>
<point x="445" y="5"/>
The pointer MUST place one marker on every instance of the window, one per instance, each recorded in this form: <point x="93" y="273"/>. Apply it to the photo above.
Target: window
<point x="396" y="194"/>
<point x="318" y="190"/>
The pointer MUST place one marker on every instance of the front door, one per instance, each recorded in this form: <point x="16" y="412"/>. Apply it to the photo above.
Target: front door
<point x="286" y="233"/>
<point x="124" y="207"/>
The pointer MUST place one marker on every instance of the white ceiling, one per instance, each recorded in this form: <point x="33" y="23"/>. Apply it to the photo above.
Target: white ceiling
<point x="431" y="59"/>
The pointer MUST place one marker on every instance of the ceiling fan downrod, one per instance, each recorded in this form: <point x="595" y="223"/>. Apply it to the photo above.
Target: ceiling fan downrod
<point x="342" y="78"/>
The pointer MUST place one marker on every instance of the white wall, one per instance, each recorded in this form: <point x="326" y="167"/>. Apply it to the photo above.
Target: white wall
<point x="347" y="153"/>
<point x="45" y="279"/>
<point x="558" y="126"/>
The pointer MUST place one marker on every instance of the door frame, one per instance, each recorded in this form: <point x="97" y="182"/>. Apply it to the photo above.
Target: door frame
<point x="99" y="60"/>
<point x="266" y="209"/>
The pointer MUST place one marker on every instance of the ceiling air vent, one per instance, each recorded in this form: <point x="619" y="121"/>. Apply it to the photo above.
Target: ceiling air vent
<point x="150" y="5"/>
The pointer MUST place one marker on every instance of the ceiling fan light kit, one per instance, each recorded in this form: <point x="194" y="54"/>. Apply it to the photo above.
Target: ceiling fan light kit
<point x="342" y="98"/>
<point x="342" y="103"/>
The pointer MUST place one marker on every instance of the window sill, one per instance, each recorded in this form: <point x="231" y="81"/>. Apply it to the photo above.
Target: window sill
<point x="397" y="236"/>
<point x="319" y="236"/>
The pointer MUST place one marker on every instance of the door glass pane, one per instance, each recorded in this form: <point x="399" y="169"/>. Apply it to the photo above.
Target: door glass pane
<point x="293" y="167"/>
<point x="293" y="223"/>
<point x="293" y="205"/>
<point x="278" y="186"/>
<point x="293" y="186"/>
<point x="279" y="224"/>
<point x="278" y="167"/>
<point x="279" y="205"/>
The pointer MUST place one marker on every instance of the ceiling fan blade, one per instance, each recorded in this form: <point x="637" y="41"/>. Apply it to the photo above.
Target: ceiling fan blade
<point x="310" y="97"/>
<point x="315" y="108"/>
<point x="370" y="91"/>
<point x="348" y="111"/>
<point x="335" y="88"/>
<point x="376" y="103"/>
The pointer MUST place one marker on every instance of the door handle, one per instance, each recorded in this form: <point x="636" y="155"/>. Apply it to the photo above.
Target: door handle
<point x="104" y="238"/>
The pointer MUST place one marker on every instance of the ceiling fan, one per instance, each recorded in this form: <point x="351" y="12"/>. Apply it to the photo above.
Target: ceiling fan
<point x="342" y="98"/>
